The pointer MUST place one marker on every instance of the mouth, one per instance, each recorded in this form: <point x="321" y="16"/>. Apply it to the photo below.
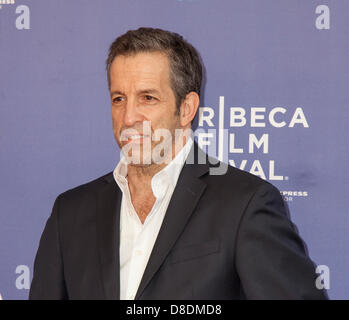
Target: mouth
<point x="134" y="138"/>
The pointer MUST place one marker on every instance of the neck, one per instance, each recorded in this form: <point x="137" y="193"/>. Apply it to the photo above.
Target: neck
<point x="139" y="177"/>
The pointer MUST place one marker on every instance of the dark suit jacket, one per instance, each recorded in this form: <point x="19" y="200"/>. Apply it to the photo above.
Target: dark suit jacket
<point x="223" y="237"/>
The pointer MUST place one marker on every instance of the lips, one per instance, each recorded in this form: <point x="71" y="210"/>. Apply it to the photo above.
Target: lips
<point x="133" y="138"/>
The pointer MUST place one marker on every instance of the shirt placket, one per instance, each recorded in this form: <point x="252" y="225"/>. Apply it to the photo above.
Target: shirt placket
<point x="141" y="249"/>
<point x="136" y="262"/>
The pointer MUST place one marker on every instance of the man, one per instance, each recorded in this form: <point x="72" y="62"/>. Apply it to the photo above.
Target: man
<point x="157" y="227"/>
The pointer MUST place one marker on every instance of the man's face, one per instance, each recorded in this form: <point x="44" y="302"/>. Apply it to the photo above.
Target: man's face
<point x="141" y="94"/>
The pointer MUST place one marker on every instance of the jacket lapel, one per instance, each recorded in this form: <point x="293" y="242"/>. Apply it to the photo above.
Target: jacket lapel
<point x="108" y="233"/>
<point x="185" y="197"/>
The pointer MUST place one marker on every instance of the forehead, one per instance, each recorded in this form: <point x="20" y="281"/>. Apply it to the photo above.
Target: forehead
<point x="140" y="69"/>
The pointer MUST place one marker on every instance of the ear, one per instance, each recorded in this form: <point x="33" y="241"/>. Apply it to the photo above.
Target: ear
<point x="189" y="108"/>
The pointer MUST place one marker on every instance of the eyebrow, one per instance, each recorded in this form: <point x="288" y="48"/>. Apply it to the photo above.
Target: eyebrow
<point x="116" y="92"/>
<point x="143" y="91"/>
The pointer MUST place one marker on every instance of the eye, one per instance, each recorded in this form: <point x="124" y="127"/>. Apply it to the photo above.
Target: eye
<point x="117" y="99"/>
<point x="148" y="99"/>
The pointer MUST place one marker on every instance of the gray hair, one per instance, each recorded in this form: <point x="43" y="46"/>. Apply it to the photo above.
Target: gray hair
<point x="184" y="60"/>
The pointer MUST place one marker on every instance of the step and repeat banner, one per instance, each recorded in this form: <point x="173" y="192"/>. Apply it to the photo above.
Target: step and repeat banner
<point x="275" y="103"/>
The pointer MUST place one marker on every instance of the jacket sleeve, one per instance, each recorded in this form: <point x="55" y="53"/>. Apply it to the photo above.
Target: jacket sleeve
<point x="271" y="258"/>
<point x="48" y="278"/>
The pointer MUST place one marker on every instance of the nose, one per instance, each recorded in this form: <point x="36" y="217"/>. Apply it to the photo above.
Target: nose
<point x="132" y="114"/>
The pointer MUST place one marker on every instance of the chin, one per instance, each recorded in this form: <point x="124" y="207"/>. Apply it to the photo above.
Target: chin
<point x="138" y="160"/>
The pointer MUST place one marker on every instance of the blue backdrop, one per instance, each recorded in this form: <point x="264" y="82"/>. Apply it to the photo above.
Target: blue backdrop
<point x="284" y="64"/>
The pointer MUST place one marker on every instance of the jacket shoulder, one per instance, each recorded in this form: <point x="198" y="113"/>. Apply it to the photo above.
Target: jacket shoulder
<point x="88" y="188"/>
<point x="239" y="181"/>
<point x="236" y="174"/>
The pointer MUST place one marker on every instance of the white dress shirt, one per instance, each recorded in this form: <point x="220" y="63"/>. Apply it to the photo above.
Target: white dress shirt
<point x="137" y="239"/>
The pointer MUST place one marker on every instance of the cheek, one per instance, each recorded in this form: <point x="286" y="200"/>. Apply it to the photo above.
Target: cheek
<point x="165" y="116"/>
<point x="169" y="120"/>
<point x="116" y="119"/>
